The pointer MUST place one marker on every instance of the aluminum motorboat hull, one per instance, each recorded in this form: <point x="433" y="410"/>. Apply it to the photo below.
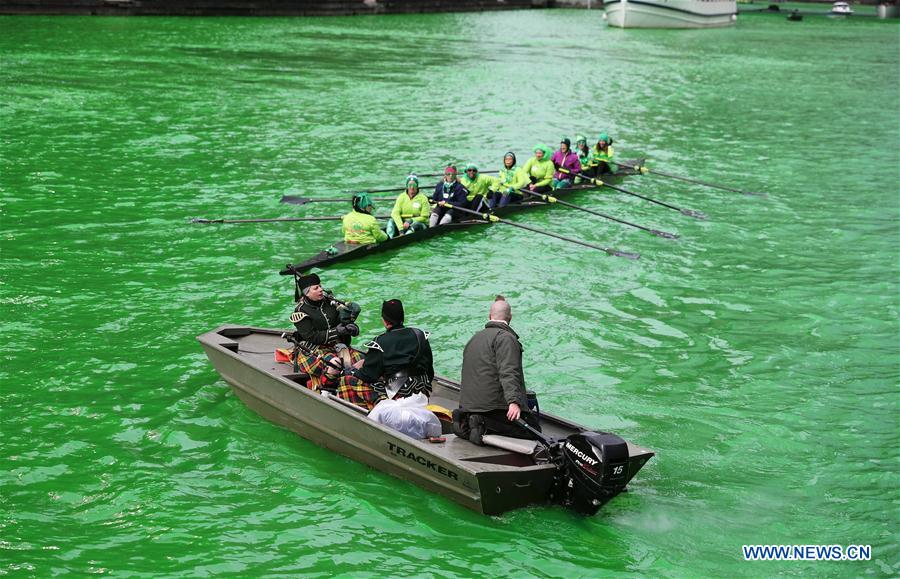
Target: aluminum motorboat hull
<point x="486" y="479"/>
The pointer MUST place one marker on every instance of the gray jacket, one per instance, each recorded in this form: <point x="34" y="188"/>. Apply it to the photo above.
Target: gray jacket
<point x="492" y="375"/>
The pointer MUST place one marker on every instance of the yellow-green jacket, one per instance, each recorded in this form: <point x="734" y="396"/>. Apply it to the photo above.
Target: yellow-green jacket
<point x="598" y="156"/>
<point x="508" y="180"/>
<point x="541" y="170"/>
<point x="406" y="209"/>
<point x="479" y="186"/>
<point x="362" y="228"/>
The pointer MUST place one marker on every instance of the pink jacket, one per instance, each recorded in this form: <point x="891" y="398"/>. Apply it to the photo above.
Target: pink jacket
<point x="569" y="162"/>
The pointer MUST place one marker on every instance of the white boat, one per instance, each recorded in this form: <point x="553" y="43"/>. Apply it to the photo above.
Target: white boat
<point x="670" y="13"/>
<point x="841" y="9"/>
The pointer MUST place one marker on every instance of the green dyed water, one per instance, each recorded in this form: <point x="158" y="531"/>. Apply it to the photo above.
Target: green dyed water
<point x="757" y="355"/>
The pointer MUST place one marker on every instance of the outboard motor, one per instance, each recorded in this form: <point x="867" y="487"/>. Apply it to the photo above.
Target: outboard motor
<point x="593" y="469"/>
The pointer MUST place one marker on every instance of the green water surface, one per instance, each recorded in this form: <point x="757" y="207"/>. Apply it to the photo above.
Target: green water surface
<point x="757" y="355"/>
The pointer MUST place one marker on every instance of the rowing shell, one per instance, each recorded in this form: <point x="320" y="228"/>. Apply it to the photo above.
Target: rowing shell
<point x="341" y="252"/>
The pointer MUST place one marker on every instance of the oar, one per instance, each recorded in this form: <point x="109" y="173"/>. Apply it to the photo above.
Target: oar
<point x="277" y="219"/>
<point x="294" y="200"/>
<point x="491" y="218"/>
<point x="599" y="183"/>
<point x="644" y="170"/>
<point x="304" y="200"/>
<point x="552" y="199"/>
<point x="441" y="174"/>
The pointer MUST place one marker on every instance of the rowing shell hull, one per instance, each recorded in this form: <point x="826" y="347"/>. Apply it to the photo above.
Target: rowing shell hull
<point x="485" y="479"/>
<point x="345" y="252"/>
<point x="670" y="13"/>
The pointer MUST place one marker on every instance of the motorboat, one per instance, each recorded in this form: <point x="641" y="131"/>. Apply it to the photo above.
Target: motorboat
<point x="670" y="13"/>
<point x="569" y="465"/>
<point x="841" y="9"/>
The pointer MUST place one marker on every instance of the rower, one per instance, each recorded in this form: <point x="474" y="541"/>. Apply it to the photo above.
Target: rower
<point x="601" y="162"/>
<point x="398" y="363"/>
<point x="447" y="194"/>
<point x="477" y="185"/>
<point x="360" y="226"/>
<point x="564" y="158"/>
<point x="410" y="211"/>
<point x="492" y="396"/>
<point x="507" y="183"/>
<point x="584" y="154"/>
<point x="324" y="329"/>
<point x="539" y="170"/>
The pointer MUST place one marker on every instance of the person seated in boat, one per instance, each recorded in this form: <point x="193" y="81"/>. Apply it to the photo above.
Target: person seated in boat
<point x="447" y="194"/>
<point x="360" y="226"/>
<point x="565" y="158"/>
<point x="507" y="183"/>
<point x="584" y="154"/>
<point x="492" y="396"/>
<point x="324" y="328"/>
<point x="398" y="363"/>
<point x="410" y="211"/>
<point x="539" y="170"/>
<point x="478" y="187"/>
<point x="601" y="162"/>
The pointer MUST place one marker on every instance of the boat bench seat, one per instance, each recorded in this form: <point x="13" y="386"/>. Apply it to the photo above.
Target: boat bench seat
<point x="520" y="445"/>
<point x="457" y="448"/>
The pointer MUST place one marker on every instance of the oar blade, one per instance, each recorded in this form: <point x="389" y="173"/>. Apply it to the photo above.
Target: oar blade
<point x="294" y="200"/>
<point x="625" y="254"/>
<point x="664" y="234"/>
<point x="694" y="214"/>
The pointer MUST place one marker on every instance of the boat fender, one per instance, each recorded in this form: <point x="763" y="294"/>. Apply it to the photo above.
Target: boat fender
<point x="297" y="317"/>
<point x="374" y="345"/>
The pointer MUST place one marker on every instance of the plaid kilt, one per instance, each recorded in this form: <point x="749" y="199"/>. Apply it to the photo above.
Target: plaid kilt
<point x="316" y="365"/>
<point x="357" y="392"/>
<point x="367" y="395"/>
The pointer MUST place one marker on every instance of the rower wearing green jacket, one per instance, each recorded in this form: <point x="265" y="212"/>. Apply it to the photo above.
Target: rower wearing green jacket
<point x="507" y="183"/>
<point x="601" y="162"/>
<point x="411" y="210"/>
<point x="360" y="226"/>
<point x="584" y="154"/>
<point x="477" y="185"/>
<point x="539" y="170"/>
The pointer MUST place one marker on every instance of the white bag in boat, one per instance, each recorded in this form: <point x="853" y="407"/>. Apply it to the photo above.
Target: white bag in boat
<point x="408" y="415"/>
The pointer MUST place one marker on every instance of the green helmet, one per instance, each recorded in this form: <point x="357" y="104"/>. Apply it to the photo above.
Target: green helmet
<point x="412" y="178"/>
<point x="362" y="201"/>
<point x="580" y="140"/>
<point x="603" y="137"/>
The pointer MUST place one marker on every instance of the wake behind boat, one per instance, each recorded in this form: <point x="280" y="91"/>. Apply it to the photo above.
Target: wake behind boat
<point x="575" y="467"/>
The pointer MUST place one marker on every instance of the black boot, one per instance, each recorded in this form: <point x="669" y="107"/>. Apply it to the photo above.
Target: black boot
<point x="476" y="429"/>
<point x="460" y="424"/>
